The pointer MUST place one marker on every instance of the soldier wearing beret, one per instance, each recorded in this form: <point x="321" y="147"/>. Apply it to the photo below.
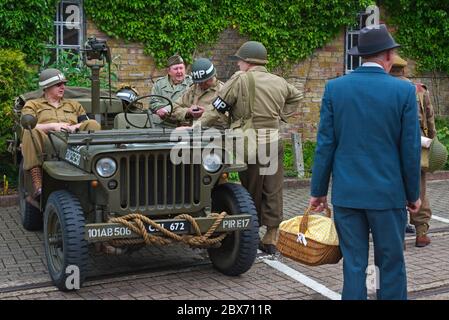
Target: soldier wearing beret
<point x="172" y="86"/>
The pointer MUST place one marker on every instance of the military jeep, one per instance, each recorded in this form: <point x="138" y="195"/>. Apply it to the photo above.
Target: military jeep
<point x="118" y="190"/>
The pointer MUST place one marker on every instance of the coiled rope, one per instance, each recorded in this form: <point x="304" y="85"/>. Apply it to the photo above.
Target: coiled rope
<point x="197" y="240"/>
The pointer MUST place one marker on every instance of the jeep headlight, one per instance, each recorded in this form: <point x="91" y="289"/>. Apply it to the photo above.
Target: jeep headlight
<point x="106" y="167"/>
<point x="212" y="163"/>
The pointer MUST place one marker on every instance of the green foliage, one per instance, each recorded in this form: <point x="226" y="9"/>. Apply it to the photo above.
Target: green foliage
<point x="422" y="31"/>
<point x="10" y="171"/>
<point x="14" y="79"/>
<point x="290" y="29"/>
<point x="76" y="72"/>
<point x="442" y="126"/>
<point x="308" y="150"/>
<point x="27" y="25"/>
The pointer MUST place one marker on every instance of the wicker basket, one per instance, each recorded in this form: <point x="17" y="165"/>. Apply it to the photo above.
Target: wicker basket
<point x="312" y="254"/>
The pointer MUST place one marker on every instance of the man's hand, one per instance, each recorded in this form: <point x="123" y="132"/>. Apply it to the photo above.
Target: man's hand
<point x="60" y="127"/>
<point x="162" y="113"/>
<point x="413" y="207"/>
<point x="196" y="111"/>
<point x="318" y="203"/>
<point x="74" y="127"/>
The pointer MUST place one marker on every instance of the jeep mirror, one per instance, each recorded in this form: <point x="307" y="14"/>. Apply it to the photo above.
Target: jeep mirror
<point x="28" y="121"/>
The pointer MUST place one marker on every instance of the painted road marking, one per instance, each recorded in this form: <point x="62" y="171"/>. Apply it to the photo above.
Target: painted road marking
<point x="440" y="219"/>
<point x="298" y="276"/>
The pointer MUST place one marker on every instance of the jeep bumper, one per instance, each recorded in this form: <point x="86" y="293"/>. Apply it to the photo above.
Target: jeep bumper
<point x="97" y="232"/>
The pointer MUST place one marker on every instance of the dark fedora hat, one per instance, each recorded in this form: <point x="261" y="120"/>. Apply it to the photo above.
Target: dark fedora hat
<point x="372" y="40"/>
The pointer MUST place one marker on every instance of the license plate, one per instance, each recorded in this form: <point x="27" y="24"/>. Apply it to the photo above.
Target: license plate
<point x="173" y="226"/>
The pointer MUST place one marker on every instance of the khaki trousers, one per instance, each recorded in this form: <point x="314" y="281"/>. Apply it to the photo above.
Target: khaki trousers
<point x="266" y="190"/>
<point x="422" y="218"/>
<point x="34" y="154"/>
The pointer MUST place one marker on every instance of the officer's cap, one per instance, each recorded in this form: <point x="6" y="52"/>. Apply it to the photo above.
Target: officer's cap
<point x="176" y="59"/>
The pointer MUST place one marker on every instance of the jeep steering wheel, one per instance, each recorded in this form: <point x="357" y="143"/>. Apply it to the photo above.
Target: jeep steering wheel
<point x="131" y="108"/>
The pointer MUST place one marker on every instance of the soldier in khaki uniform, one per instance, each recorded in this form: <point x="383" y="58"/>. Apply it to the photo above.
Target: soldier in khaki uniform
<point x="53" y="113"/>
<point x="274" y="99"/>
<point x="427" y="123"/>
<point x="172" y="86"/>
<point x="196" y="102"/>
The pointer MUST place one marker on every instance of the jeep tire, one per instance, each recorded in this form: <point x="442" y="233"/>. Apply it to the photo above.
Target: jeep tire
<point x="238" y="250"/>
<point x="65" y="247"/>
<point x="30" y="216"/>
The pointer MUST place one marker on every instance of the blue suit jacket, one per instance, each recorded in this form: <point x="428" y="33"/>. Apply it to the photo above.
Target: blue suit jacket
<point x="369" y="140"/>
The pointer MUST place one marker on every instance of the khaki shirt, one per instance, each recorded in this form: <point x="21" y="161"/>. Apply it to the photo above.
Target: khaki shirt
<point x="164" y="87"/>
<point x="196" y="96"/>
<point x="425" y="106"/>
<point x="67" y="112"/>
<point x="275" y="99"/>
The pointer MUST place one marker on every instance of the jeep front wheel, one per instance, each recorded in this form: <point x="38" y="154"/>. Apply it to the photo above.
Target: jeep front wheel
<point x="65" y="247"/>
<point x="238" y="250"/>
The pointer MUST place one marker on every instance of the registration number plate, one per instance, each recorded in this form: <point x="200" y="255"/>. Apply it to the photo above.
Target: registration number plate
<point x="173" y="226"/>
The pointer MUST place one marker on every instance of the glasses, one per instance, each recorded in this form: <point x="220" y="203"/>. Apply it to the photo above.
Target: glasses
<point x="60" y="84"/>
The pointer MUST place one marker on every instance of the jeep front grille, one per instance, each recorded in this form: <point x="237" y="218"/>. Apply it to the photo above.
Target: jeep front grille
<point x="152" y="181"/>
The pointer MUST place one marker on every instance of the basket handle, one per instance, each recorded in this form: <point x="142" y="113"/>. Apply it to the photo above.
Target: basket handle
<point x="305" y="219"/>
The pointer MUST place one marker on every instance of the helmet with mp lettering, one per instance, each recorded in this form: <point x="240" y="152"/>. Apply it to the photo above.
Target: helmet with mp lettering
<point x="252" y="52"/>
<point x="127" y="93"/>
<point x="51" y="77"/>
<point x="202" y="70"/>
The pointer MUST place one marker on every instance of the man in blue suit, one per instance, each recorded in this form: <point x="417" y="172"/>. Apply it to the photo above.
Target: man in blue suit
<point x="369" y="140"/>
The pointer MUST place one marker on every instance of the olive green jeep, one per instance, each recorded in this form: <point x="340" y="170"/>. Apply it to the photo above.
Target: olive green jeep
<point x="118" y="189"/>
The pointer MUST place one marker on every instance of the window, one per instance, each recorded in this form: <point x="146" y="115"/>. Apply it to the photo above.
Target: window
<point x="352" y="37"/>
<point x="68" y="29"/>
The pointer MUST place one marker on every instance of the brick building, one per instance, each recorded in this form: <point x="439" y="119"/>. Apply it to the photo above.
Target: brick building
<point x="135" y="68"/>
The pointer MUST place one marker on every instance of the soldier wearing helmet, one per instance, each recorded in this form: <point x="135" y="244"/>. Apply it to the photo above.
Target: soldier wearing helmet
<point x="427" y="123"/>
<point x="273" y="100"/>
<point x="196" y="102"/>
<point x="172" y="86"/>
<point x="53" y="113"/>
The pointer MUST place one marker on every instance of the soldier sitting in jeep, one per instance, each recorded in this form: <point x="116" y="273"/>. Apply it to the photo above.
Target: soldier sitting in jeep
<point x="53" y="113"/>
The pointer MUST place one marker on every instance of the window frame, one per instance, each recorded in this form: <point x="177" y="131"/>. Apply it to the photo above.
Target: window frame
<point x="351" y="31"/>
<point x="59" y="25"/>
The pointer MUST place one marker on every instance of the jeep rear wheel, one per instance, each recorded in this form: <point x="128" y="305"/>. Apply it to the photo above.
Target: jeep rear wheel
<point x="238" y="250"/>
<point x="65" y="247"/>
<point x="30" y="216"/>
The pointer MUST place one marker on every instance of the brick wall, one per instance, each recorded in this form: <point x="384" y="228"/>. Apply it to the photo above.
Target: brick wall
<point x="309" y="76"/>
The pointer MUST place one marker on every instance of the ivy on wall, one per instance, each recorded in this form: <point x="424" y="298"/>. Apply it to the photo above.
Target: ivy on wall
<point x="290" y="29"/>
<point x="27" y="25"/>
<point x="422" y="30"/>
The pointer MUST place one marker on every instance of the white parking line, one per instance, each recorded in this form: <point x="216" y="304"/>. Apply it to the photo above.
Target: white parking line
<point x="440" y="219"/>
<point x="298" y="276"/>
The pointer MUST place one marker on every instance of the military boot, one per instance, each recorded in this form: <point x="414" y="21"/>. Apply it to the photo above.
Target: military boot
<point x="422" y="240"/>
<point x="36" y="177"/>
<point x="269" y="240"/>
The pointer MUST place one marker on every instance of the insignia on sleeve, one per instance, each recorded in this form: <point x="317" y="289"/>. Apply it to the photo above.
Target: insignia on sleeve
<point x="82" y="118"/>
<point x="220" y="105"/>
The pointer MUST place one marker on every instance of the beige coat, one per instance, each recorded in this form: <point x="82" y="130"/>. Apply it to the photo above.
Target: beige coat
<point x="275" y="98"/>
<point x="196" y="96"/>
